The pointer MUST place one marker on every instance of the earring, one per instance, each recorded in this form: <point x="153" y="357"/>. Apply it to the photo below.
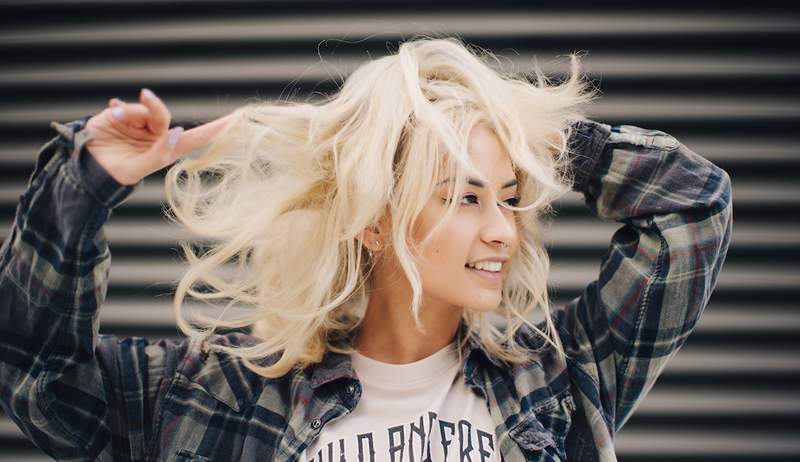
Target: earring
<point x="370" y="252"/>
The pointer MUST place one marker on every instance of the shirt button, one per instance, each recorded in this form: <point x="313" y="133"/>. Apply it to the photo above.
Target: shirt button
<point x="316" y="424"/>
<point x="351" y="389"/>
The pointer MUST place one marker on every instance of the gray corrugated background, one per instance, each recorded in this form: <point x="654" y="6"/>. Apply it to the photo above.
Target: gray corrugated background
<point x="720" y="77"/>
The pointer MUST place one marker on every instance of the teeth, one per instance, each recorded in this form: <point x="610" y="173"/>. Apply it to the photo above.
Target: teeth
<point x="493" y="266"/>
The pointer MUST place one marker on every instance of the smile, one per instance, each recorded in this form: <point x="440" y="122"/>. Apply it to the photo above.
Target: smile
<point x="494" y="276"/>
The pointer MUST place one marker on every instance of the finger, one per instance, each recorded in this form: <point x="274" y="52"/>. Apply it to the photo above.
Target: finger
<point x="159" y="114"/>
<point x="201" y="135"/>
<point x="113" y="102"/>
<point x="132" y="114"/>
<point x="163" y="151"/>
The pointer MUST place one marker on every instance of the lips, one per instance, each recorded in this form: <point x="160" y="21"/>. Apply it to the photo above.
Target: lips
<point x="487" y="275"/>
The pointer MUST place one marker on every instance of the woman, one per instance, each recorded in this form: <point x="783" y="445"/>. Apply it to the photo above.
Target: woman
<point x="374" y="235"/>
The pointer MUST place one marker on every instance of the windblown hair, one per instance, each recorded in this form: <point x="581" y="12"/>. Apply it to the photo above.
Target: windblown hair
<point x="285" y="192"/>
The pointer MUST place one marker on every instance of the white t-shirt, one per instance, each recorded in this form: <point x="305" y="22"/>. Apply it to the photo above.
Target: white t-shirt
<point x="410" y="412"/>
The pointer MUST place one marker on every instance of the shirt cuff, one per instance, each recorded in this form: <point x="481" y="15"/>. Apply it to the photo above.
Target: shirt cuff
<point x="586" y="144"/>
<point x="93" y="178"/>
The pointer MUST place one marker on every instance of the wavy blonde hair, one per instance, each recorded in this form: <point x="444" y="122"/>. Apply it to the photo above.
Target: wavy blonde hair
<point x="284" y="193"/>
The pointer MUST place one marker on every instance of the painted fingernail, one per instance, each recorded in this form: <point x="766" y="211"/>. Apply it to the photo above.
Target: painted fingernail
<point x="148" y="94"/>
<point x="118" y="112"/>
<point x="174" y="136"/>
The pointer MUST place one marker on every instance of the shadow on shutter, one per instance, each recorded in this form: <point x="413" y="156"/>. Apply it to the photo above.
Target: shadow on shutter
<point x="720" y="78"/>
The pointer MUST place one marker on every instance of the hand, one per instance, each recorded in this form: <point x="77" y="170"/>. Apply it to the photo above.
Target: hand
<point x="139" y="141"/>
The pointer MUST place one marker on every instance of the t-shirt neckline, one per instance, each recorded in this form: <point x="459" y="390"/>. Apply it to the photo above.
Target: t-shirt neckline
<point x="417" y="373"/>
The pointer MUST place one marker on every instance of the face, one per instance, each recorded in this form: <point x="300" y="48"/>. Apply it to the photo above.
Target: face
<point x="473" y="234"/>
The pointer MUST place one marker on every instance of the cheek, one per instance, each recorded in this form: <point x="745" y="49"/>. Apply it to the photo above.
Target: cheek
<point x="449" y="249"/>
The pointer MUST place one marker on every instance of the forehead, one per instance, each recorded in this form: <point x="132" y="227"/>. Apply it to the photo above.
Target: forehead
<point x="489" y="156"/>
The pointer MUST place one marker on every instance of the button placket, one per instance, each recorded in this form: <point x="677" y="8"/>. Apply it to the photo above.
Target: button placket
<point x="568" y="405"/>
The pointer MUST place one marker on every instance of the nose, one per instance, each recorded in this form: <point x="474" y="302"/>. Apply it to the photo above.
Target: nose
<point x="500" y="226"/>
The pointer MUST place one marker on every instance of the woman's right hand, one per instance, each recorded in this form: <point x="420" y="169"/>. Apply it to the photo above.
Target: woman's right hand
<point x="133" y="140"/>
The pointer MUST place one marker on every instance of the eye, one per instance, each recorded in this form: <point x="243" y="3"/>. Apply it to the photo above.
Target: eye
<point x="473" y="196"/>
<point x="514" y="201"/>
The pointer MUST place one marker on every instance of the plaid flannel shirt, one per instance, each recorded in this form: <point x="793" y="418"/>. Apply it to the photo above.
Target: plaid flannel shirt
<point x="80" y="395"/>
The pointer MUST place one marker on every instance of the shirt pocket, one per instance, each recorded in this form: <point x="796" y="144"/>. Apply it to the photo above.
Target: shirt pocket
<point x="542" y="433"/>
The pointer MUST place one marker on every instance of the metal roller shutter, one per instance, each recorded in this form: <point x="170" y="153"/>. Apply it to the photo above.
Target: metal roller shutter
<point x="721" y="78"/>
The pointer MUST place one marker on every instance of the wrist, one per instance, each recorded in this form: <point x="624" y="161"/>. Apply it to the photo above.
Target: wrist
<point x="82" y="165"/>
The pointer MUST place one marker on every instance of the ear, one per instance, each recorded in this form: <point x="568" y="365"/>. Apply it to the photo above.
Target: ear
<point x="372" y="239"/>
<point x="376" y="237"/>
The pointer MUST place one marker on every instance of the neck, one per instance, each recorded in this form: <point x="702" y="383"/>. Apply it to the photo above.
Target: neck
<point x="388" y="332"/>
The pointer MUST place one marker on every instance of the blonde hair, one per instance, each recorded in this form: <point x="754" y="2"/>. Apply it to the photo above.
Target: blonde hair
<point x="286" y="190"/>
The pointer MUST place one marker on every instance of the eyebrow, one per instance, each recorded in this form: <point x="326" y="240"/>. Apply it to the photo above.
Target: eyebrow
<point x="478" y="183"/>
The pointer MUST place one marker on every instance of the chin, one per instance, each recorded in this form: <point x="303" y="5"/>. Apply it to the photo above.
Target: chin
<point x="485" y="305"/>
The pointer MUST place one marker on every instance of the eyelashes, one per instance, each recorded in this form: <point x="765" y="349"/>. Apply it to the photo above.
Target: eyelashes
<point x="514" y="201"/>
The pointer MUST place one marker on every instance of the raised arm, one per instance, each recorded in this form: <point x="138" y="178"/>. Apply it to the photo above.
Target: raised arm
<point x="661" y="265"/>
<point x="76" y="394"/>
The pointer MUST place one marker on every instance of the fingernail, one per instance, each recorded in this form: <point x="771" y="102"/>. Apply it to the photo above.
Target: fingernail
<point x="118" y="112"/>
<point x="174" y="136"/>
<point x="148" y="94"/>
